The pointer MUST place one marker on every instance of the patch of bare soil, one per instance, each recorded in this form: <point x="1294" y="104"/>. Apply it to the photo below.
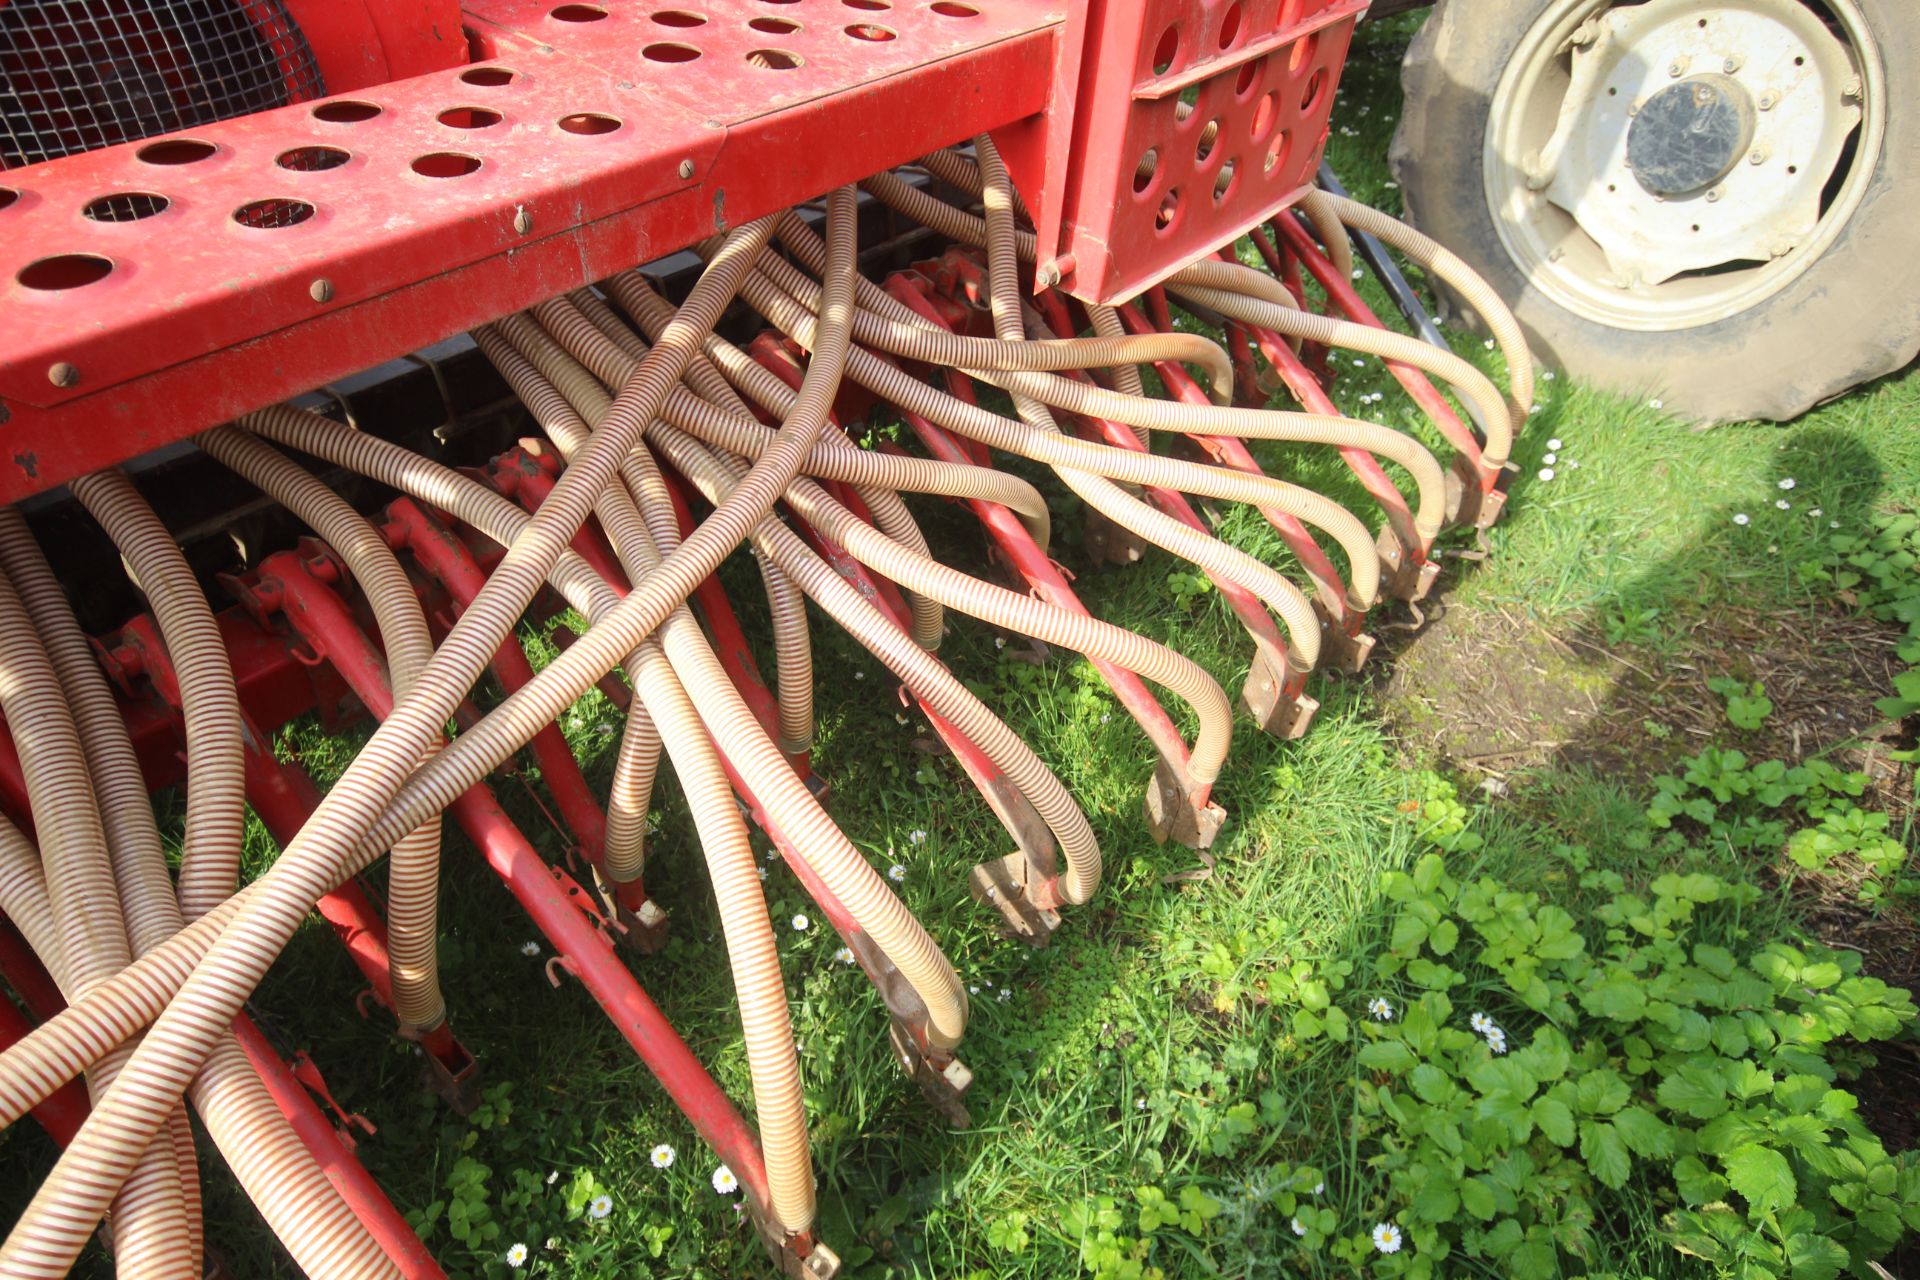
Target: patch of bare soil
<point x="1488" y="693"/>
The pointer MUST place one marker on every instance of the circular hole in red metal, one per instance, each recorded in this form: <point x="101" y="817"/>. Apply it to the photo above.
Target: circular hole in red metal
<point x="1143" y="172"/>
<point x="954" y="9"/>
<point x="1302" y="52"/>
<point x="871" y="31"/>
<point x="1264" y="112"/>
<point x="1163" y="53"/>
<point x="1224" y="184"/>
<point x="445" y="164"/>
<point x="589" y="123"/>
<point x="270" y="215"/>
<point x="1316" y="85"/>
<point x="1250" y="73"/>
<point x="680" y="18"/>
<point x="175" y="151"/>
<point x="774" y="59"/>
<point x="469" y="117"/>
<point x="1168" y="213"/>
<point x="64" y="271"/>
<point x="774" y="26"/>
<point x="1209" y="138"/>
<point x="126" y="206"/>
<point x="346" y="111"/>
<point x="7" y="196"/>
<point x="669" y="53"/>
<point x="488" y="77"/>
<point x="870" y="6"/>
<point x="1230" y="25"/>
<point x="312" y="159"/>
<point x="1278" y="149"/>
<point x="578" y="13"/>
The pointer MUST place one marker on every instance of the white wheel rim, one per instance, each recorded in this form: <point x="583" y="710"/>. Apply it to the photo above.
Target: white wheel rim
<point x="1594" y="240"/>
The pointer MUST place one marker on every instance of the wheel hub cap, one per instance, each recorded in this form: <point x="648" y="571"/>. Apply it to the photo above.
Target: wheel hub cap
<point x="1689" y="135"/>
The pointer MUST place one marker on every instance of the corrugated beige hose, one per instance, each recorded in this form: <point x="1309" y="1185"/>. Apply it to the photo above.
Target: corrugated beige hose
<point x="773" y="1065"/>
<point x="1448" y="266"/>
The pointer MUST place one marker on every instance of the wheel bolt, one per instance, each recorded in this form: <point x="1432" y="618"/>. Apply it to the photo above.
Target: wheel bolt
<point x="1769" y="100"/>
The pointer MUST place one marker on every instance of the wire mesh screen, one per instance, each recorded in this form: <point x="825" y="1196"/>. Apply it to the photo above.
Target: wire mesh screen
<point x="80" y="74"/>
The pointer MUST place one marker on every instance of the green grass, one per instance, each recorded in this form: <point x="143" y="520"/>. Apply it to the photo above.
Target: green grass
<point x="1154" y="1002"/>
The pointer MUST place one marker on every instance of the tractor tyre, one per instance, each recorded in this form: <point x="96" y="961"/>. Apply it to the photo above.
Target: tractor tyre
<point x="1715" y="206"/>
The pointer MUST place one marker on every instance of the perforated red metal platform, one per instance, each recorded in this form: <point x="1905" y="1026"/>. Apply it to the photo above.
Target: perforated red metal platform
<point x="278" y="251"/>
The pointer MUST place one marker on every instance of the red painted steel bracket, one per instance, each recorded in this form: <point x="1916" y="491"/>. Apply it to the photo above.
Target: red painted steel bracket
<point x="295" y="246"/>
<point x="1131" y="186"/>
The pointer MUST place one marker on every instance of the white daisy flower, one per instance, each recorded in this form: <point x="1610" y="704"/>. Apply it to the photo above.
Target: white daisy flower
<point x="529" y="948"/>
<point x="1550" y="458"/>
<point x="1381" y="1008"/>
<point x="1788" y="483"/>
<point x="801" y="924"/>
<point x="1656" y="404"/>
<point x="1573" y="465"/>
<point x="724" y="1182"/>
<point x="999" y="642"/>
<point x="1783" y="504"/>
<point x="1391" y="186"/>
<point x="517" y="1256"/>
<point x="600" y="1206"/>
<point x="1359" y="364"/>
<point x="1104" y="717"/>
<point x="762" y="871"/>
<point x="1488" y="344"/>
<point x="553" y="1242"/>
<point x="1816" y="513"/>
<point x="1299" y="1227"/>
<point x="1386" y="1238"/>
<point x="1006" y="994"/>
<point x="844" y="955"/>
<point x="1833" y="524"/>
<point x="1546" y="473"/>
<point x="859" y="675"/>
<point x="1740" y="517"/>
<point x="1319" y="1188"/>
<point x="916" y="836"/>
<point x="1480" y="1022"/>
<point x="1554" y="443"/>
<point x="896" y="873"/>
<point x="1359" y="274"/>
<point x="1496" y="1040"/>
<point x="662" y="1156"/>
<point x="553" y="1176"/>
<point x="898" y="718"/>
<point x="1139" y="1104"/>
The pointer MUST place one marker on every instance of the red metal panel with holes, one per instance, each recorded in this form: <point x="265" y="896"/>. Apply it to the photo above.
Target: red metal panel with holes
<point x="1135" y="185"/>
<point x="295" y="246"/>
